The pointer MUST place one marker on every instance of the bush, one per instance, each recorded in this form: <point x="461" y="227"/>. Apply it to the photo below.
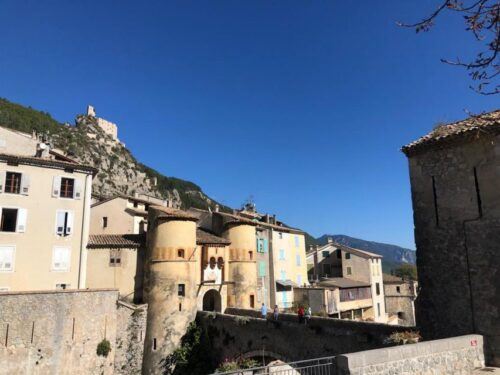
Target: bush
<point x="103" y="348"/>
<point x="241" y="320"/>
<point x="236" y="364"/>
<point x="402" y="338"/>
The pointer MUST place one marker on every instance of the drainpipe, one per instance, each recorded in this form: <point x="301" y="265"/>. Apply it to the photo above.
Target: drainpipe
<point x="82" y="271"/>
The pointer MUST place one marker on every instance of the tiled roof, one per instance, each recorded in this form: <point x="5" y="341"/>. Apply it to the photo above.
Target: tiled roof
<point x="107" y="241"/>
<point x="136" y="211"/>
<point x="343" y="282"/>
<point x="352" y="250"/>
<point x="446" y="134"/>
<point x="173" y="213"/>
<point x="237" y="219"/>
<point x="44" y="162"/>
<point x="391" y="279"/>
<point x="205" y="238"/>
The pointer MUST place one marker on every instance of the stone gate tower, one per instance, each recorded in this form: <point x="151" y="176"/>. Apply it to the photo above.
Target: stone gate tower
<point x="171" y="279"/>
<point x="455" y="180"/>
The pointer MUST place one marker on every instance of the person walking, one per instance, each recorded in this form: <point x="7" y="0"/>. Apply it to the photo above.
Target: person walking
<point x="308" y="314"/>
<point x="263" y="311"/>
<point x="300" y="313"/>
<point x="276" y="312"/>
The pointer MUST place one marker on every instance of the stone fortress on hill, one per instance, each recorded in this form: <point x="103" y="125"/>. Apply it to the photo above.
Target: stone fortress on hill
<point x="79" y="273"/>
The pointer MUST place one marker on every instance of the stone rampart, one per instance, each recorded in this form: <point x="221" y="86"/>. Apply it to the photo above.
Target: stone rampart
<point x="57" y="332"/>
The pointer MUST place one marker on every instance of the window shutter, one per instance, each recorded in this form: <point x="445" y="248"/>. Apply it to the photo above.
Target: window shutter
<point x="2" y="181"/>
<point x="22" y="214"/>
<point x="6" y="258"/>
<point x="69" y="223"/>
<point x="25" y="184"/>
<point x="266" y="245"/>
<point x="77" y="192"/>
<point x="56" y="261"/>
<point x="60" y="222"/>
<point x="65" y="255"/>
<point x="56" y="186"/>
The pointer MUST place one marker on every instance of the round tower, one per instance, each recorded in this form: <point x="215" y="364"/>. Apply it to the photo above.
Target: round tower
<point x="242" y="264"/>
<point x="170" y="281"/>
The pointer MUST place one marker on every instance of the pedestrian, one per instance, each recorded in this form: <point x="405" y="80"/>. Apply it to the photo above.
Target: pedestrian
<point x="263" y="311"/>
<point x="308" y="314"/>
<point x="276" y="312"/>
<point x="300" y="313"/>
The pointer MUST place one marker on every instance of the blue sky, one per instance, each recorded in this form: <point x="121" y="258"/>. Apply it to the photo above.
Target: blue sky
<point x="301" y="104"/>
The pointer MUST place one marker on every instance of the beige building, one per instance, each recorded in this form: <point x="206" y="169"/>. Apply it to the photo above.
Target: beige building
<point x="400" y="295"/>
<point x="349" y="282"/>
<point x="45" y="215"/>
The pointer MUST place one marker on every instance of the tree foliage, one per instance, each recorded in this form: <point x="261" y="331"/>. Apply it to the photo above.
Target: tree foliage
<point x="406" y="271"/>
<point x="482" y="19"/>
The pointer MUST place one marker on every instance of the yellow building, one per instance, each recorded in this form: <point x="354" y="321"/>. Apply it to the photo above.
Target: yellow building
<point x="45" y="212"/>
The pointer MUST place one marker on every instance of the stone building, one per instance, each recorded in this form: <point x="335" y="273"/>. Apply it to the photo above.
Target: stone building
<point x="45" y="212"/>
<point x="454" y="174"/>
<point x="347" y="283"/>
<point x="107" y="126"/>
<point x="400" y="295"/>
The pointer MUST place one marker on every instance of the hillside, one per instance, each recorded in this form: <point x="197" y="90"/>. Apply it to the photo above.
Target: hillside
<point x="119" y="171"/>
<point x="394" y="256"/>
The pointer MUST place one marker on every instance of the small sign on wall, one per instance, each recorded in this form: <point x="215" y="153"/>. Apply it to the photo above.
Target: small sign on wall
<point x="473" y="342"/>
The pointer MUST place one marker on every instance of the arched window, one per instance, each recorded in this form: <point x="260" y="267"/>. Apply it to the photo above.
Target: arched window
<point x="220" y="263"/>
<point x="212" y="263"/>
<point x="180" y="253"/>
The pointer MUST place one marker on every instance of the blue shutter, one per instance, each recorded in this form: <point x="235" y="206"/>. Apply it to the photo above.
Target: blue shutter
<point x="266" y="245"/>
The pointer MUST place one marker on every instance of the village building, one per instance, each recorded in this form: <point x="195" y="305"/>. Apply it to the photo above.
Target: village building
<point x="45" y="215"/>
<point x="346" y="283"/>
<point x="454" y="175"/>
<point x="400" y="295"/>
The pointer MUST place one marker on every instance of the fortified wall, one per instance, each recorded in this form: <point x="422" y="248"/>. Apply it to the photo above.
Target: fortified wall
<point x="57" y="332"/>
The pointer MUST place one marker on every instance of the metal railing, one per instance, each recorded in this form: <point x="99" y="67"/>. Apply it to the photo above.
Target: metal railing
<point x="317" y="366"/>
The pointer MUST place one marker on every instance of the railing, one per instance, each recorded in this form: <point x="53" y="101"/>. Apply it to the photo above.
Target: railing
<point x="317" y="366"/>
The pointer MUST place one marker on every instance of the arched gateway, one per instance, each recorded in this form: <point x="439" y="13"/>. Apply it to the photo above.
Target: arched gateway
<point x="212" y="301"/>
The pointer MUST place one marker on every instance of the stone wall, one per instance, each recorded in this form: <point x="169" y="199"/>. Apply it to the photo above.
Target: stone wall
<point x="243" y="335"/>
<point x="57" y="332"/>
<point x="458" y="355"/>
<point x="456" y="204"/>
<point x="131" y="331"/>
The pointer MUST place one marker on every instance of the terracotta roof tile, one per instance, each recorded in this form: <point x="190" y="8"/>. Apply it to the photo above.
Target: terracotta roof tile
<point x="206" y="238"/>
<point x="448" y="133"/>
<point x="44" y="162"/>
<point x="106" y="241"/>
<point x="172" y="213"/>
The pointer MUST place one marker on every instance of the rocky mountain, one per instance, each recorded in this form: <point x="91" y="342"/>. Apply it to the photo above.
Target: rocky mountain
<point x="119" y="171"/>
<point x="393" y="256"/>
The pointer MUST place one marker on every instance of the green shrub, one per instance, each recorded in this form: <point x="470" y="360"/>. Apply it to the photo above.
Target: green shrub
<point x="103" y="348"/>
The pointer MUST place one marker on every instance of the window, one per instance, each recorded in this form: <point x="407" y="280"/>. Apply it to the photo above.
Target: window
<point x="339" y="254"/>
<point x="252" y="301"/>
<point x="401" y="315"/>
<point x="13" y="182"/>
<point x="282" y="254"/>
<point x="180" y="253"/>
<point x="262" y="269"/>
<point x="349" y="270"/>
<point x="7" y="258"/>
<point x="298" y="261"/>
<point x="260" y="245"/>
<point x="64" y="187"/>
<point x="283" y="275"/>
<point x="104" y="221"/>
<point x="61" y="259"/>
<point x="64" y="223"/>
<point x="297" y="242"/>
<point x="327" y="269"/>
<point x="398" y="289"/>
<point x="378" y="309"/>
<point x="115" y="258"/>
<point x="280" y="235"/>
<point x="13" y="220"/>
<point x="67" y="187"/>
<point x="348" y="255"/>
<point x="377" y="289"/>
<point x="9" y="219"/>
<point x="63" y="286"/>
<point x="250" y="255"/>
<point x="181" y="290"/>
<point x="325" y="254"/>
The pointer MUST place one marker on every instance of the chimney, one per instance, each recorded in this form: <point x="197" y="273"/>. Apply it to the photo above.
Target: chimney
<point x="216" y="208"/>
<point x="42" y="150"/>
<point x="315" y="257"/>
<point x="267" y="218"/>
<point x="274" y="219"/>
<point x="330" y="239"/>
